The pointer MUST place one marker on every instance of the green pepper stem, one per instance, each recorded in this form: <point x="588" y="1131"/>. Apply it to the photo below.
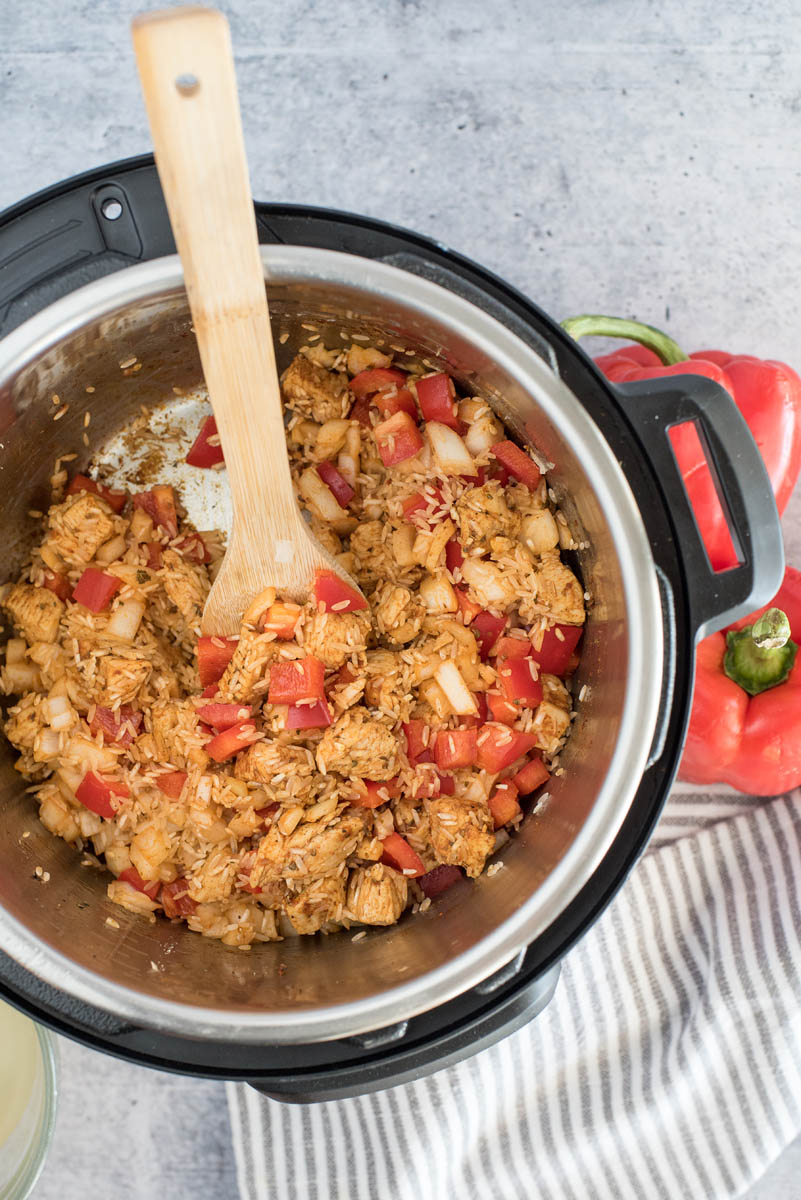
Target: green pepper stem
<point x="760" y="656"/>
<point x="590" y="325"/>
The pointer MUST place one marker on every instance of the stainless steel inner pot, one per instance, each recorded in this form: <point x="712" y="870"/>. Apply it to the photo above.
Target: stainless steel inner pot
<point x="310" y="989"/>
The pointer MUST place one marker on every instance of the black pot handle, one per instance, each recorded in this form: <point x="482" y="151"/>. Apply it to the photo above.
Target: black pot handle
<point x="716" y="598"/>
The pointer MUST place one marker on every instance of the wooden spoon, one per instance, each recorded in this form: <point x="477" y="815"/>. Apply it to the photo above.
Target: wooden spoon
<point x="187" y="73"/>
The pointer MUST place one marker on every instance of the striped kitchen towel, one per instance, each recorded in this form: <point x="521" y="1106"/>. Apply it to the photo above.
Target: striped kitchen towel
<point x="668" y="1064"/>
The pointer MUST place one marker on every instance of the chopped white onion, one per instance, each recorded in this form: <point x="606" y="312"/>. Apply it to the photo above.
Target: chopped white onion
<point x="449" y="449"/>
<point x="126" y="618"/>
<point x="453" y="685"/>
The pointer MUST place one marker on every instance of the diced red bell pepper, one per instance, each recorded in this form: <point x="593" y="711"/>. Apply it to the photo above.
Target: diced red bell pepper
<point x="175" y="899"/>
<point x="447" y="785"/>
<point x="488" y="629"/>
<point x="281" y="619"/>
<point x="479" y="717"/>
<point x="455" y="748"/>
<point x="398" y="439"/>
<point x="503" y="804"/>
<point x="467" y="607"/>
<point x="213" y="656"/>
<point x="389" y="403"/>
<point x="375" y="793"/>
<point x="202" y="453"/>
<point x="58" y="584"/>
<point x="454" y="556"/>
<point x="210" y="692"/>
<point x="360" y="411"/>
<point x="308" y="716"/>
<point x="228" y="743"/>
<point x="502" y="709"/>
<point x="376" y="379"/>
<point x="335" y="595"/>
<point x="418" y="502"/>
<point x="512" y="647"/>
<point x="121" y="726"/>
<point x="95" y="588"/>
<point x="95" y="793"/>
<point x="82" y="483"/>
<point x="194" y="548"/>
<point x="151" y="887"/>
<point x="517" y="463"/>
<point x="159" y="504"/>
<point x="435" y="394"/>
<point x="399" y="854"/>
<point x="437" y="881"/>
<point x="224" y="716"/>
<point x="341" y="490"/>
<point x="300" y="679"/>
<point x="531" y="775"/>
<point x="499" y="746"/>
<point x="268" y="813"/>
<point x="558" y="644"/>
<point x="418" y="741"/>
<point x="154" y="552"/>
<point x="516" y="677"/>
<point x="171" y="783"/>
<point x="432" y="783"/>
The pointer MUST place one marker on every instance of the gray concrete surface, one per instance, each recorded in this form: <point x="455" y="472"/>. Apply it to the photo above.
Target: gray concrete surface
<point x="603" y="155"/>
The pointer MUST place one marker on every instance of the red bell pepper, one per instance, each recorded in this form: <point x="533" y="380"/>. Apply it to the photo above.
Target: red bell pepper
<point x="502" y="709"/>
<point x="376" y="379"/>
<point x="223" y="716"/>
<point x="298" y="680"/>
<point x="228" y="743"/>
<point x="82" y="483"/>
<point x="398" y="439"/>
<point x="767" y="393"/>
<point x="438" y="880"/>
<point x="517" y="463"/>
<point x="175" y="899"/>
<point x="499" y="746"/>
<point x="339" y="487"/>
<point x="750" y="741"/>
<point x="171" y="783"/>
<point x="150" y="887"/>
<point x="454" y="555"/>
<point x="487" y="629"/>
<point x="418" y="741"/>
<point x="206" y="450"/>
<point x="373" y="793"/>
<point x="58" y="584"/>
<point x="531" y="776"/>
<point x="121" y="726"/>
<point x="555" y="651"/>
<point x="512" y="647"/>
<point x="213" y="656"/>
<point x="335" y="595"/>
<point x="519" y="681"/>
<point x="503" y="804"/>
<point x="95" y="588"/>
<point x="95" y="793"/>
<point x="308" y="716"/>
<point x="435" y="393"/>
<point x="389" y="403"/>
<point x="399" y="854"/>
<point x="159" y="504"/>
<point x="455" y="748"/>
<point x="468" y="608"/>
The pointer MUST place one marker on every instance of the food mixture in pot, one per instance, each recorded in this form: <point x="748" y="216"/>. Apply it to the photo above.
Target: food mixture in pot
<point x="339" y="762"/>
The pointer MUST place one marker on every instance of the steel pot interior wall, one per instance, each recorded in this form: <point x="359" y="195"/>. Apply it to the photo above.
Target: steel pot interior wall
<point x="160" y="974"/>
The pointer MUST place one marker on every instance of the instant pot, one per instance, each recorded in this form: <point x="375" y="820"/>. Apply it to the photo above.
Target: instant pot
<point x="92" y="309"/>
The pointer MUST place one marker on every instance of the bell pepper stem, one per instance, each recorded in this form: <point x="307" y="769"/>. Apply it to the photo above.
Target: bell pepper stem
<point x="593" y="325"/>
<point x="760" y="656"/>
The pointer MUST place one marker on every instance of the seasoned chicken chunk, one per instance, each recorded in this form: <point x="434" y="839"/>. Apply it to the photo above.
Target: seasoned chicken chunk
<point x="214" y="877"/>
<point x="377" y="895"/>
<point x="235" y="922"/>
<point x="551" y="723"/>
<point x="247" y="676"/>
<point x="559" y="594"/>
<point x="320" y="901"/>
<point x="358" y="744"/>
<point x="313" y="391"/>
<point x="79" y="526"/>
<point x="176" y="734"/>
<point x="35" y="611"/>
<point x="49" y="658"/>
<point x="398" y="612"/>
<point x="461" y="832"/>
<point x="186" y="585"/>
<point x="334" y="637"/>
<point x="388" y="684"/>
<point x="266" y="760"/>
<point x="25" y="720"/>
<point x="314" y="848"/>
<point x="483" y="514"/>
<point x="120" y="679"/>
<point x="371" y="543"/>
<point x="490" y="586"/>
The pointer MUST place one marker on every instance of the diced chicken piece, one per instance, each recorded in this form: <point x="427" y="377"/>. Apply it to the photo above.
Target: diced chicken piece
<point x="461" y="832"/>
<point x="326" y="536"/>
<point x="186" y="585"/>
<point x="26" y="719"/>
<point x="79" y="526"/>
<point x="247" y="676"/>
<point x="320" y="901"/>
<point x="119" y="679"/>
<point x="150" y="847"/>
<point x="371" y="542"/>
<point x="559" y="594"/>
<point x="388" y="684"/>
<point x="235" y="922"/>
<point x="551" y="723"/>
<point x="35" y="611"/>
<point x="412" y="822"/>
<point x="489" y="584"/>
<point x="330" y="439"/>
<point x="265" y="760"/>
<point x="314" y="848"/>
<point x="484" y="514"/>
<point x="334" y="637"/>
<point x="538" y="531"/>
<point x="176" y="734"/>
<point x="214" y="878"/>
<point x="398" y="613"/>
<point x="49" y="658"/>
<point x="554" y="690"/>
<point x="313" y="391"/>
<point x="429" y="545"/>
<point x="359" y="745"/>
<point x="377" y="895"/>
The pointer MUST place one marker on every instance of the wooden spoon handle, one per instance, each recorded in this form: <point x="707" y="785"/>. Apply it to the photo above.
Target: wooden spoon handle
<point x="186" y="68"/>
